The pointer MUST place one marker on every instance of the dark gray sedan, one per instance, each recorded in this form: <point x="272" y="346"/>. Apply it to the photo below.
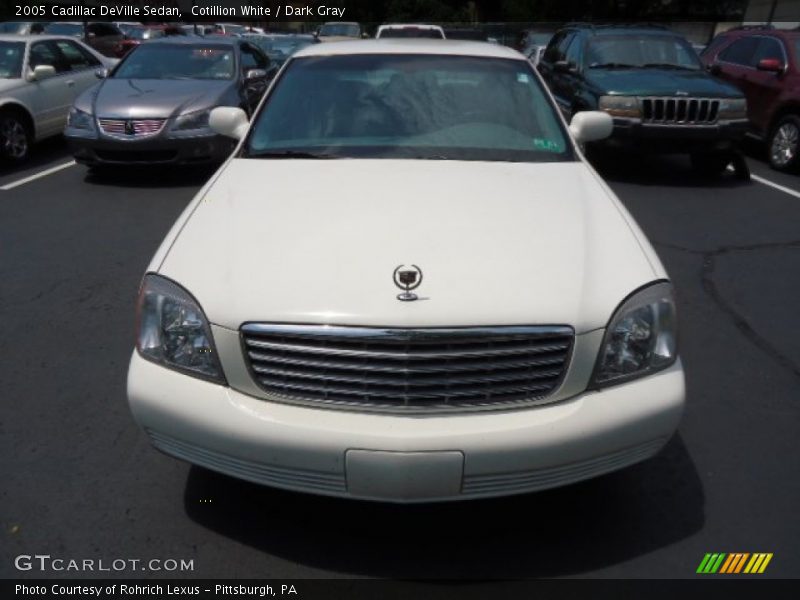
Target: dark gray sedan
<point x="154" y="106"/>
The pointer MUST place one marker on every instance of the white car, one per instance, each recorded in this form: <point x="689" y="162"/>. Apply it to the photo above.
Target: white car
<point x="491" y="322"/>
<point x="410" y="30"/>
<point x="40" y="77"/>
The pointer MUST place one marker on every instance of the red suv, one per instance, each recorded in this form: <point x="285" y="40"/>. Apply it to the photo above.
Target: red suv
<point x="765" y="64"/>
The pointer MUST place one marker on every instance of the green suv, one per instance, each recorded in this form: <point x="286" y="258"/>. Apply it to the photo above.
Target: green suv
<point x="650" y="80"/>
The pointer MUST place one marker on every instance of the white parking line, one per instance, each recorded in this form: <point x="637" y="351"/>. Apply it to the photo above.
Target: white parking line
<point x="777" y="186"/>
<point x="35" y="176"/>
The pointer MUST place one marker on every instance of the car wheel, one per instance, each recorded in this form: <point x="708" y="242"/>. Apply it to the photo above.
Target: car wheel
<point x="15" y="137"/>
<point x="784" y="144"/>
<point x="710" y="164"/>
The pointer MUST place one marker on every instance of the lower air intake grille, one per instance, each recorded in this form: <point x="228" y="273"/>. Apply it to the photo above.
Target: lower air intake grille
<point x="408" y="370"/>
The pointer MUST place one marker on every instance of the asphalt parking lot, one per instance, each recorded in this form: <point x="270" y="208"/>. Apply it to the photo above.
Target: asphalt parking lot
<point x="81" y="481"/>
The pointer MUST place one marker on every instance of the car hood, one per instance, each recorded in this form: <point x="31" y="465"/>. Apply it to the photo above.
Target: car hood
<point x="153" y="98"/>
<point x="659" y="82"/>
<point x="498" y="243"/>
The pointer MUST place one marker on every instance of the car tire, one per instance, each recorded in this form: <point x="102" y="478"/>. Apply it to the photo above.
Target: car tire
<point x="710" y="164"/>
<point x="783" y="144"/>
<point x="15" y="136"/>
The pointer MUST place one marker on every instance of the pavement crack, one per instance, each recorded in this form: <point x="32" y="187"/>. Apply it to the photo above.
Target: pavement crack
<point x="739" y="321"/>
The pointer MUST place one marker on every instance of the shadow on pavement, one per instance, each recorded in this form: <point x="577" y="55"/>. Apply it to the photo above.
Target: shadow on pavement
<point x="150" y="176"/>
<point x="565" y="531"/>
<point x="47" y="153"/>
<point x="657" y="170"/>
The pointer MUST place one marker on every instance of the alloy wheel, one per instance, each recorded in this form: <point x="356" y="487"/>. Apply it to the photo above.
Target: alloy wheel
<point x="15" y="138"/>
<point x="784" y="144"/>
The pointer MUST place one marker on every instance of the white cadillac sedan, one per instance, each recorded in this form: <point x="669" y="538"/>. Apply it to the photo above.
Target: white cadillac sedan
<point x="40" y="77"/>
<point x="407" y="284"/>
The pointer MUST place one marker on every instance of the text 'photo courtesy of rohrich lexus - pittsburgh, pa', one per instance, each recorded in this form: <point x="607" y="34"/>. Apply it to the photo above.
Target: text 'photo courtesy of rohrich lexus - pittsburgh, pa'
<point x="478" y="316"/>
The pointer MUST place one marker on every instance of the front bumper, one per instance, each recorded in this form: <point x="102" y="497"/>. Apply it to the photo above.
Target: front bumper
<point x="678" y="138"/>
<point x="158" y="149"/>
<point x="403" y="458"/>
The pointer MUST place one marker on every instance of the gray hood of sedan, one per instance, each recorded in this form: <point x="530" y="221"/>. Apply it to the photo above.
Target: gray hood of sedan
<point x="155" y="98"/>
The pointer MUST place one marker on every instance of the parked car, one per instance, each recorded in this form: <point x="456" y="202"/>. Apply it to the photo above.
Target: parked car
<point x="466" y="33"/>
<point x="532" y="38"/>
<point x="22" y="27"/>
<point x="154" y="107"/>
<point x="653" y="84"/>
<point x="135" y="35"/>
<point x="765" y="64"/>
<point x="103" y="37"/>
<point x="410" y="30"/>
<point x="533" y="339"/>
<point x="337" y="31"/>
<point x="534" y="54"/>
<point x="279" y="47"/>
<point x="40" y="77"/>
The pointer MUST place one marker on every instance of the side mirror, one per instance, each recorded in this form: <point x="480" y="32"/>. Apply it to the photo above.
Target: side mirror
<point x="714" y="69"/>
<point x="101" y="73"/>
<point x="563" y="66"/>
<point x="255" y="74"/>
<point x="771" y="65"/>
<point x="229" y="121"/>
<point x="41" y="72"/>
<point x="592" y="125"/>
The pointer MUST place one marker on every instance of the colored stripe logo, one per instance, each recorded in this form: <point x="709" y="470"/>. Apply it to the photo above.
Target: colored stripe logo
<point x="734" y="563"/>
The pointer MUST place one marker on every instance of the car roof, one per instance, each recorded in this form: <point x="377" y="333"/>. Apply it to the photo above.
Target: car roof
<point x="32" y="37"/>
<point x="221" y="40"/>
<point x="408" y="26"/>
<point x="411" y="46"/>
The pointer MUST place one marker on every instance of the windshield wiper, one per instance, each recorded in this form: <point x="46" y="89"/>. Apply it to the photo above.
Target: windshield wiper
<point x="290" y="154"/>
<point x="670" y="66"/>
<point x="612" y="65"/>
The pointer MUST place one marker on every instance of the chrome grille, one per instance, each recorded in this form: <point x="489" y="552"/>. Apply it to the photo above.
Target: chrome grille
<point x="679" y="111"/>
<point x="407" y="370"/>
<point x="131" y="128"/>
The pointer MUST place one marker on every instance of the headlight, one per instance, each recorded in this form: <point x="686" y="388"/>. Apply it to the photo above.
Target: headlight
<point x="174" y="332"/>
<point x="192" y="121"/>
<point x="733" y="108"/>
<point x="620" y="106"/>
<point x="77" y="119"/>
<point x="641" y="337"/>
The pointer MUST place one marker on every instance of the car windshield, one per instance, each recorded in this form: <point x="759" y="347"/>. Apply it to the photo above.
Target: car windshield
<point x="409" y="106"/>
<point x="179" y="61"/>
<point x="64" y="29"/>
<point x="345" y="29"/>
<point x="411" y="32"/>
<point x="666" y="51"/>
<point x="11" y="54"/>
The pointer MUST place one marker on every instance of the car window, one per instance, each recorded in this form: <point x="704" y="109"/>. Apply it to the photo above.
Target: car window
<point x="343" y="29"/>
<point x="410" y="106"/>
<point x="768" y="48"/>
<point x="252" y="58"/>
<point x="556" y="50"/>
<point x="75" y="56"/>
<point x="640" y="51"/>
<point x="45" y="53"/>
<point x="715" y="44"/>
<point x="573" y="53"/>
<point x="102" y="29"/>
<point x="179" y="61"/>
<point x="740" y="52"/>
<point x="11" y="54"/>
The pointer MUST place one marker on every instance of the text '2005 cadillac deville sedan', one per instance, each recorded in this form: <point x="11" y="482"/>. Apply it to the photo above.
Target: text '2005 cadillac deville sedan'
<point x="407" y="285"/>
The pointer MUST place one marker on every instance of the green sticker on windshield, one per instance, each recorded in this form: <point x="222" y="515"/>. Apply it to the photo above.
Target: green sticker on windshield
<point x="546" y="145"/>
